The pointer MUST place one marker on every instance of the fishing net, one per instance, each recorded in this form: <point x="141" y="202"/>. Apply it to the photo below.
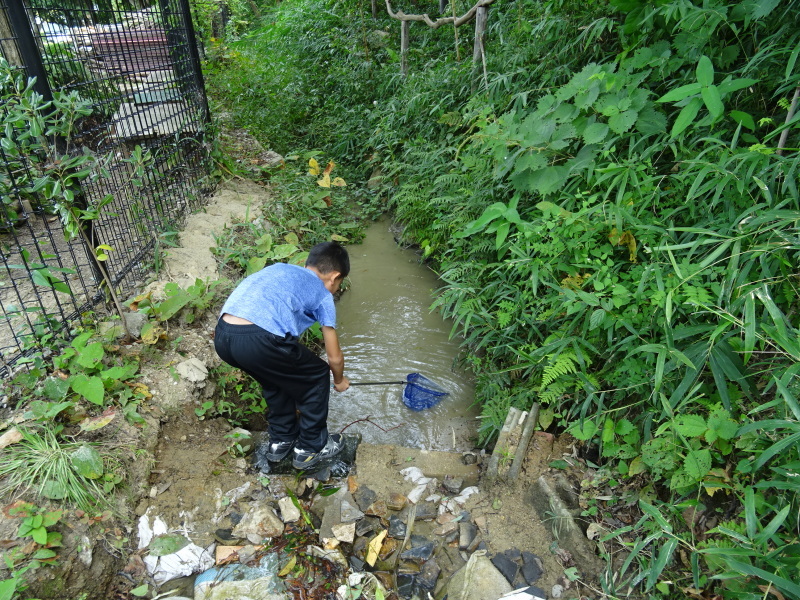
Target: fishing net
<point x="421" y="393"/>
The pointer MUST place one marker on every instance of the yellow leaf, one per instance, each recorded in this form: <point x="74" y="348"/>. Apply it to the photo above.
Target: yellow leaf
<point x="374" y="548"/>
<point x="325" y="181"/>
<point x="313" y="167"/>
<point x="151" y="333"/>
<point x="339" y="182"/>
<point x="338" y="238"/>
<point x="289" y="566"/>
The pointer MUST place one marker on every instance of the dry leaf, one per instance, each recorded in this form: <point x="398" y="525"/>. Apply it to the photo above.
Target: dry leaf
<point x="289" y="566"/>
<point x="12" y="436"/>
<point x="374" y="548"/>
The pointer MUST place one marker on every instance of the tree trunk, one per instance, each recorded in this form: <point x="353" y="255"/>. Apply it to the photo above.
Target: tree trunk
<point x="7" y="44"/>
<point x="404" y="25"/>
<point x="480" y="30"/>
<point x="374" y="9"/>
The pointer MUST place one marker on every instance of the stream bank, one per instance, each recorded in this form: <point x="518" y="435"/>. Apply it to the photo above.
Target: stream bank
<point x="185" y="471"/>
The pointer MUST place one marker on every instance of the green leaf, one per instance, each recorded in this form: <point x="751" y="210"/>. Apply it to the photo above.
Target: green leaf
<point x="39" y="535"/>
<point x="169" y="543"/>
<point x="690" y="425"/>
<point x="8" y="588"/>
<point x="595" y="133"/>
<point x="87" y="462"/>
<point x="282" y="251"/>
<point x="686" y="116"/>
<point x="779" y="582"/>
<point x="705" y="71"/>
<point x="664" y="556"/>
<point x="623" y="121"/>
<point x="597" y="318"/>
<point x="55" y="388"/>
<point x="697" y="463"/>
<point x="744" y="119"/>
<point x="54" y="490"/>
<point x="140" y="591"/>
<point x="547" y="180"/>
<point x="583" y="431"/>
<point x="90" y="388"/>
<point x="713" y="101"/>
<point x="680" y="93"/>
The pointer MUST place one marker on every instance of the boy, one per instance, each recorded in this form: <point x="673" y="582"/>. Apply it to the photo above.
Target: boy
<point x="258" y="332"/>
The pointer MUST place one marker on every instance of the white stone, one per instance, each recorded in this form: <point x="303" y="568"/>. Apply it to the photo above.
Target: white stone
<point x="289" y="512"/>
<point x="345" y="532"/>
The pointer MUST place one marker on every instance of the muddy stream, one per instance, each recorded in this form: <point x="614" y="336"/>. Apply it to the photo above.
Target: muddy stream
<point x="386" y="331"/>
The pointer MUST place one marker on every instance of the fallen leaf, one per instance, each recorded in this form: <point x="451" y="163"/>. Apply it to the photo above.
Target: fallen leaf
<point x="374" y="548"/>
<point x="95" y="423"/>
<point x="289" y="566"/>
<point x="12" y="436"/>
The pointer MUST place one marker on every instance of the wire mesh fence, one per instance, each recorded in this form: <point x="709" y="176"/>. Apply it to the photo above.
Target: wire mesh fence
<point x="102" y="153"/>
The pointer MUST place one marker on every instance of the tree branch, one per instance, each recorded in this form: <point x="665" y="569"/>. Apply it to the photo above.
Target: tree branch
<point x="457" y="21"/>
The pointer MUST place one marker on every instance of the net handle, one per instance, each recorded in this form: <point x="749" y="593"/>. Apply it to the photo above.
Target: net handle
<point x="378" y="382"/>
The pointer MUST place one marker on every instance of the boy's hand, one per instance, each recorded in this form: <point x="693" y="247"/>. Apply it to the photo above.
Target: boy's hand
<point x="342" y="385"/>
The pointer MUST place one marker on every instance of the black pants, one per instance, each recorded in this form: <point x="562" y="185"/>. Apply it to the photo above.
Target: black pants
<point x="292" y="379"/>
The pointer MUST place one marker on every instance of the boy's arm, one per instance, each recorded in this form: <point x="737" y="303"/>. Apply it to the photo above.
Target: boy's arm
<point x="335" y="358"/>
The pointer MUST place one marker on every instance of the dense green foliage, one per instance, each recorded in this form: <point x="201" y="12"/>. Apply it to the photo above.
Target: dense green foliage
<point x="617" y="230"/>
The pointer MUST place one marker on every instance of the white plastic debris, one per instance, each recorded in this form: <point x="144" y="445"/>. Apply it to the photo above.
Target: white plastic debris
<point x="186" y="561"/>
<point x="466" y="493"/>
<point x="415" y="475"/>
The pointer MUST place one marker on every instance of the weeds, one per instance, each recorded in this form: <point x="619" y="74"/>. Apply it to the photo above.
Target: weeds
<point x="44" y="465"/>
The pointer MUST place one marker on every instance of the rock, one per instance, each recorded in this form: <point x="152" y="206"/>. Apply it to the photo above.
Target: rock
<point x="477" y="580"/>
<point x="428" y="575"/>
<point x="240" y="442"/>
<point x="367" y="525"/>
<point x="396" y="501"/>
<point x="259" y="523"/>
<point x="357" y="564"/>
<point x="557" y="591"/>
<point x="345" y="532"/>
<point x="405" y="585"/>
<point x="193" y="370"/>
<point x="335" y="556"/>
<point x="531" y="568"/>
<point x="378" y="509"/>
<point x="420" y="553"/>
<point x="426" y="511"/>
<point x="506" y="566"/>
<point x="469" y="458"/>
<point x="529" y="593"/>
<point x="446" y="528"/>
<point x="466" y="534"/>
<point x="477" y="543"/>
<point x="397" y="529"/>
<point x="364" y="497"/>
<point x="289" y="512"/>
<point x="349" y="513"/>
<point x="452" y="484"/>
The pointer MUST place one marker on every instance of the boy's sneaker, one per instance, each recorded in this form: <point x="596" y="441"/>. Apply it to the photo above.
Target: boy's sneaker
<point x="305" y="459"/>
<point x="277" y="451"/>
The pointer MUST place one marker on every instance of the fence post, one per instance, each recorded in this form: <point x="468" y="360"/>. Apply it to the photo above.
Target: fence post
<point x="195" y="56"/>
<point x="28" y="50"/>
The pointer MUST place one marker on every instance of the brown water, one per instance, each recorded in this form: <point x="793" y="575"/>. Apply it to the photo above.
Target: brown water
<point x="387" y="331"/>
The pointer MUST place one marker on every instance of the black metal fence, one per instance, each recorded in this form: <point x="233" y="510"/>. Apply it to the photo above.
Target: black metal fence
<point x="102" y="155"/>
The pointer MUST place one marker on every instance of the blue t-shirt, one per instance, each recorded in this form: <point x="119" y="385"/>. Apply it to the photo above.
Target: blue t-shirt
<point x="282" y="299"/>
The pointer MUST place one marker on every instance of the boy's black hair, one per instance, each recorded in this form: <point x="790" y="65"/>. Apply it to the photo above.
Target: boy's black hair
<point x="329" y="256"/>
